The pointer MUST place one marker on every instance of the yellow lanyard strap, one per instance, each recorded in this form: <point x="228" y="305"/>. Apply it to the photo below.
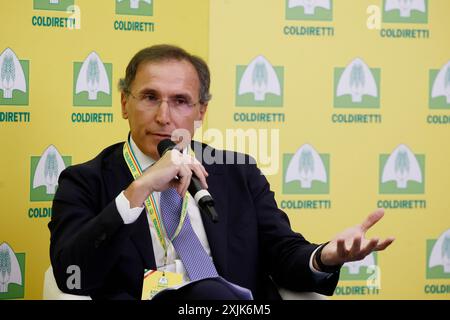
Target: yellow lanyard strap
<point x="150" y="202"/>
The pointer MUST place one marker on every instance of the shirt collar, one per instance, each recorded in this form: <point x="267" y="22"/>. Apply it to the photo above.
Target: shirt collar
<point x="144" y="160"/>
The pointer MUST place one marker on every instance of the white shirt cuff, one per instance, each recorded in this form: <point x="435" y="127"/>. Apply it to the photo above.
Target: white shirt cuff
<point x="318" y="274"/>
<point x="129" y="215"/>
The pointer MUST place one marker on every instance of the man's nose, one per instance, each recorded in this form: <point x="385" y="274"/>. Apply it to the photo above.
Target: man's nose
<point x="163" y="113"/>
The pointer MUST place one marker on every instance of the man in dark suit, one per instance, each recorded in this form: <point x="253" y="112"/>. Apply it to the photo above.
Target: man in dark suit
<point x="107" y="220"/>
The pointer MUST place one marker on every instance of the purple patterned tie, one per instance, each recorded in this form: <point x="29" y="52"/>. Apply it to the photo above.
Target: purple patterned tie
<point x="196" y="261"/>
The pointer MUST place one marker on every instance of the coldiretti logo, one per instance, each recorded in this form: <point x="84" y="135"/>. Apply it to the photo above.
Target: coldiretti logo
<point x="259" y="84"/>
<point x="402" y="172"/>
<point x="45" y="171"/>
<point x="357" y="86"/>
<point x="438" y="257"/>
<point x="12" y="273"/>
<point x="359" y="270"/>
<point x="92" y="82"/>
<point x="57" y="5"/>
<point x="14" y="74"/>
<point x="306" y="172"/>
<point x="321" y="10"/>
<point x="134" y="7"/>
<point x="405" y="11"/>
<point x="440" y="88"/>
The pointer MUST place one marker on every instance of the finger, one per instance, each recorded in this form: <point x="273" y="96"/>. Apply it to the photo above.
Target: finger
<point x="176" y="183"/>
<point x="198" y="163"/>
<point x="368" y="248"/>
<point x="177" y="186"/>
<point x="356" y="246"/>
<point x="188" y="172"/>
<point x="204" y="170"/>
<point x="185" y="178"/>
<point x="342" y="252"/>
<point x="176" y="157"/>
<point x="197" y="168"/>
<point x="188" y="159"/>
<point x="200" y="175"/>
<point x="373" y="218"/>
<point x="384" y="244"/>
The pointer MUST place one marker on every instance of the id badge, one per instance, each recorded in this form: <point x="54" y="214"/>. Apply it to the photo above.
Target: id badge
<point x="155" y="281"/>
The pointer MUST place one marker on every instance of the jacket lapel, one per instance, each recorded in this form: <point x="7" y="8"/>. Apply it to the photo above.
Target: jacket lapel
<point x="142" y="240"/>
<point x="216" y="232"/>
<point x="118" y="178"/>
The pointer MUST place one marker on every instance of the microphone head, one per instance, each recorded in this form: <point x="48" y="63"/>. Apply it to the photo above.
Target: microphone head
<point x="165" y="145"/>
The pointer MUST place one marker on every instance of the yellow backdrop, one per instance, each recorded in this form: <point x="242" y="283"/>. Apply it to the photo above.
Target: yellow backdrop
<point x="344" y="104"/>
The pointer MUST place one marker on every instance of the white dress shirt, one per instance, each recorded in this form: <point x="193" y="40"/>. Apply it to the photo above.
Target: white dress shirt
<point x="173" y="263"/>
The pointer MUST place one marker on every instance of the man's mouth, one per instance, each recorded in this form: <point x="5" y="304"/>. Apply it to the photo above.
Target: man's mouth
<point x="161" y="135"/>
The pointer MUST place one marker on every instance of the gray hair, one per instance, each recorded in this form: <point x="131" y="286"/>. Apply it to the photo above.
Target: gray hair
<point x="165" y="52"/>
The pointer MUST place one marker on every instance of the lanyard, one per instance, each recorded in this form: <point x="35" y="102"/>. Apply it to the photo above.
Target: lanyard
<point x="150" y="203"/>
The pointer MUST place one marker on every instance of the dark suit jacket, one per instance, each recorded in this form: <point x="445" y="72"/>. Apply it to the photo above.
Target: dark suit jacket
<point x="251" y="243"/>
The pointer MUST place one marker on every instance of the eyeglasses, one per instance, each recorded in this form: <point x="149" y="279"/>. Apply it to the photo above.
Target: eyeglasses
<point x="150" y="100"/>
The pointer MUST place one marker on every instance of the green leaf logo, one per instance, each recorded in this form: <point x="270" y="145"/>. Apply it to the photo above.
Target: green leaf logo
<point x="93" y="81"/>
<point x="11" y="272"/>
<point x="51" y="168"/>
<point x="259" y="75"/>
<point x="402" y="172"/>
<point x="357" y="76"/>
<point x="440" y="87"/>
<point x="92" y="76"/>
<point x="8" y="69"/>
<point x="438" y="256"/>
<point x="260" y="82"/>
<point x="306" y="163"/>
<point x="135" y="7"/>
<point x="307" y="168"/>
<point x="5" y="265"/>
<point x="12" y="77"/>
<point x="402" y="163"/>
<point x="446" y="248"/>
<point x="359" y="83"/>
<point x="48" y="169"/>
<point x="309" y="10"/>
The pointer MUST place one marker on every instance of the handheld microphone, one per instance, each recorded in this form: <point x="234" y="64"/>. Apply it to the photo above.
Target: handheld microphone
<point x="201" y="196"/>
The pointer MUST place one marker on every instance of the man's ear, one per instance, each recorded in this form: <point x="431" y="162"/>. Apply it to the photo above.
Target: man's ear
<point x="123" y="102"/>
<point x="203" y="108"/>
